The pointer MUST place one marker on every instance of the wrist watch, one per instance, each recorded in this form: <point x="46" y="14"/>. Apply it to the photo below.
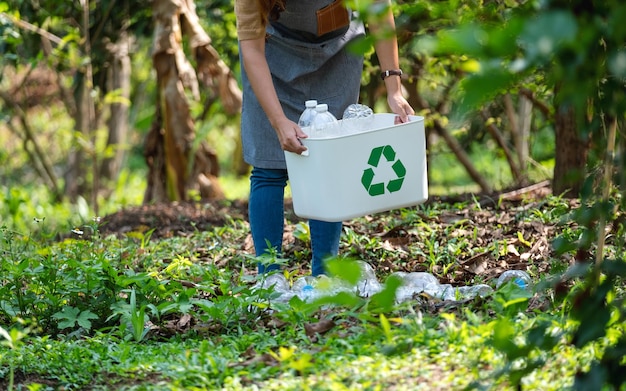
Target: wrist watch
<point x="391" y="72"/>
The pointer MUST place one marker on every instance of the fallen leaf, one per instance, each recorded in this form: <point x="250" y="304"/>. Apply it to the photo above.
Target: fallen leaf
<point x="320" y="327"/>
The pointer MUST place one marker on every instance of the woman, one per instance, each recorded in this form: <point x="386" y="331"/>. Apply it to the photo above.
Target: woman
<point x="292" y="51"/>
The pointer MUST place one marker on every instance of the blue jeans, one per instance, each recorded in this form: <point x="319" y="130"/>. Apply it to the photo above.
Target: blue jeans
<point x="266" y="215"/>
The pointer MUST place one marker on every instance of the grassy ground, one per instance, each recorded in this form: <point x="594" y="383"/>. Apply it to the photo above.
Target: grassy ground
<point x="104" y="310"/>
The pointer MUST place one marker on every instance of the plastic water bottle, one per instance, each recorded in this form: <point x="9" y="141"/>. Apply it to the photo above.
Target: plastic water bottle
<point x="306" y="118"/>
<point x="356" y="118"/>
<point x="324" y="123"/>
<point x="519" y="277"/>
<point x="304" y="288"/>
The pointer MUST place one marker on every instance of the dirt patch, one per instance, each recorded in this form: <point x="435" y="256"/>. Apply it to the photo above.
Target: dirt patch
<point x="175" y="218"/>
<point x="485" y="220"/>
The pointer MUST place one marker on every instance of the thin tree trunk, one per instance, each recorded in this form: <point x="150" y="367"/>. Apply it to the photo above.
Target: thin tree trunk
<point x="75" y="173"/>
<point x="497" y="135"/>
<point x="570" y="154"/>
<point x="118" y="78"/>
<point x="525" y="115"/>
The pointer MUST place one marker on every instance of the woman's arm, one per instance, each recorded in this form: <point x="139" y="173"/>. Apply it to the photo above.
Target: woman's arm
<point x="383" y="28"/>
<point x="258" y="72"/>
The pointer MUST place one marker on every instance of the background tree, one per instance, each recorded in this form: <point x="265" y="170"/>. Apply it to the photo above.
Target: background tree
<point x="90" y="46"/>
<point x="90" y="43"/>
<point x="175" y="166"/>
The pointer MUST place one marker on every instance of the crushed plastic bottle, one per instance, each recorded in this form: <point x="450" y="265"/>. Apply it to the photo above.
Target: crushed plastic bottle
<point x="356" y="118"/>
<point x="324" y="123"/>
<point x="367" y="284"/>
<point x="415" y="283"/>
<point x="519" y="277"/>
<point x="471" y="291"/>
<point x="306" y="118"/>
<point x="277" y="283"/>
<point x="275" y="280"/>
<point x="305" y="289"/>
<point x="446" y="292"/>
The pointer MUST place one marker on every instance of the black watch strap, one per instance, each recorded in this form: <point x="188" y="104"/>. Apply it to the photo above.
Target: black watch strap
<point x="391" y="72"/>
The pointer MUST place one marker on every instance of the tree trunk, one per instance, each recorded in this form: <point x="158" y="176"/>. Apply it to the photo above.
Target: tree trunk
<point x="570" y="154"/>
<point x="118" y="79"/>
<point x="176" y="164"/>
<point x="525" y="115"/>
<point x="75" y="175"/>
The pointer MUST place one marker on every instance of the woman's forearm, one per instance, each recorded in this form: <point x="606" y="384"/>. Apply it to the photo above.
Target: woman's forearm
<point x="258" y="72"/>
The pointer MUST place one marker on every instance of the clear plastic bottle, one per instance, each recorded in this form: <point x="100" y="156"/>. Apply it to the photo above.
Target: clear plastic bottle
<point x="519" y="277"/>
<point x="368" y="284"/>
<point x="415" y="283"/>
<point x="356" y="118"/>
<point x="324" y="123"/>
<point x="306" y="118"/>
<point x="471" y="291"/>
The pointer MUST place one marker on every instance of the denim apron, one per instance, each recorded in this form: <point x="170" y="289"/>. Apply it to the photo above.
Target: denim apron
<point x="303" y="66"/>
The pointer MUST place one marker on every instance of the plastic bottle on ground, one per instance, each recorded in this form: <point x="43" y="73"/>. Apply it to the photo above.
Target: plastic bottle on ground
<point x="275" y="280"/>
<point x="306" y="118"/>
<point x="471" y="291"/>
<point x="521" y="278"/>
<point x="445" y="292"/>
<point x="368" y="284"/>
<point x="277" y="283"/>
<point x="324" y="123"/>
<point x="415" y="283"/>
<point x="305" y="289"/>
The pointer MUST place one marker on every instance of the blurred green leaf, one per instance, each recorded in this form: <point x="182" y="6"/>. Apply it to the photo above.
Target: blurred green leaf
<point x="346" y="269"/>
<point x="547" y="32"/>
<point x="479" y="88"/>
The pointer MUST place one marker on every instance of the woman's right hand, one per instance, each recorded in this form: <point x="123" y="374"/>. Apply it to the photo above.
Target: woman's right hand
<point x="289" y="135"/>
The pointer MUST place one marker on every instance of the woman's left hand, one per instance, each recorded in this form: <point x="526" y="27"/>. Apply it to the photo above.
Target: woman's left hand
<point x="401" y="107"/>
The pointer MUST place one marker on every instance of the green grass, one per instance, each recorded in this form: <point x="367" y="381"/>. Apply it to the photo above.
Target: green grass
<point x="138" y="313"/>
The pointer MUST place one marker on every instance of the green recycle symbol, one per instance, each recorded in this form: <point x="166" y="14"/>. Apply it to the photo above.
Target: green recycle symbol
<point x="367" y="178"/>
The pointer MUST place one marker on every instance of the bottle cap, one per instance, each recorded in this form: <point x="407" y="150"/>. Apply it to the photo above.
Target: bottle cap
<point x="321" y="107"/>
<point x="310" y="103"/>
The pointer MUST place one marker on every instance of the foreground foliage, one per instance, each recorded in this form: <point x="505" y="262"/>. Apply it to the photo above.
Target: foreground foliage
<point x="102" y="309"/>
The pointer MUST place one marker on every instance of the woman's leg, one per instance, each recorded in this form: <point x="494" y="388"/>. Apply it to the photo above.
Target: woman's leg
<point x="324" y="243"/>
<point x="266" y="212"/>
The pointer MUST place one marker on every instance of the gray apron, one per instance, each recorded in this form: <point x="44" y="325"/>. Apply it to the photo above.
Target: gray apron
<point x="303" y="66"/>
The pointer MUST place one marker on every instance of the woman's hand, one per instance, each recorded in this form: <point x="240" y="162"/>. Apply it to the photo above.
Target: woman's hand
<point x="289" y="135"/>
<point x="401" y="107"/>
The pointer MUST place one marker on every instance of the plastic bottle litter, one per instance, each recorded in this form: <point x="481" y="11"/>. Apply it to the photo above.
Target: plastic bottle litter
<point x="446" y="292"/>
<point x="278" y="284"/>
<point x="305" y="289"/>
<point x="412" y="284"/>
<point x="368" y="284"/>
<point x="356" y="118"/>
<point x="415" y="283"/>
<point x="521" y="278"/>
<point x="471" y="291"/>
<point x="324" y="123"/>
<point x="306" y="118"/>
<point x="275" y="280"/>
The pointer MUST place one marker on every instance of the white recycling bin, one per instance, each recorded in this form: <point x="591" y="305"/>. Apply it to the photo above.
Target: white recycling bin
<point x="376" y="170"/>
